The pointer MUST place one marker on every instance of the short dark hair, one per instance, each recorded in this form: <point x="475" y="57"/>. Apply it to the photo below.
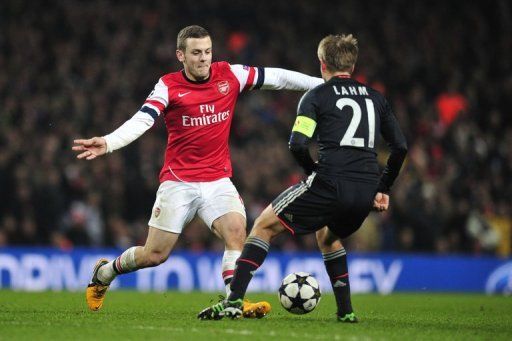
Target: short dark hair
<point x="338" y="52"/>
<point x="192" y="31"/>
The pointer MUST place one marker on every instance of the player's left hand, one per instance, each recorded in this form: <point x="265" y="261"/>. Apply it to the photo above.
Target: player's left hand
<point x="381" y="202"/>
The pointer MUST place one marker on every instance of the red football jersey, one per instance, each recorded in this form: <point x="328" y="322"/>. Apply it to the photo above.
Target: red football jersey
<point x="198" y="118"/>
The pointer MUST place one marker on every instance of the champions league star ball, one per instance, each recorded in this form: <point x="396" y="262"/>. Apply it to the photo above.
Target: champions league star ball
<point x="299" y="293"/>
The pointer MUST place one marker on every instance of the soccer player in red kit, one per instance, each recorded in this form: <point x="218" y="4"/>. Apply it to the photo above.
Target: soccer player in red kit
<point x="197" y="104"/>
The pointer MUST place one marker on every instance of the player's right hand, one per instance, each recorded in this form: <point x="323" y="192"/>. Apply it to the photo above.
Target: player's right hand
<point x="90" y="148"/>
<point x="381" y="202"/>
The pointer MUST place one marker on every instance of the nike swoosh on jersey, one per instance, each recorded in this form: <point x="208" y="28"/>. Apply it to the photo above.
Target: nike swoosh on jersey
<point x="183" y="94"/>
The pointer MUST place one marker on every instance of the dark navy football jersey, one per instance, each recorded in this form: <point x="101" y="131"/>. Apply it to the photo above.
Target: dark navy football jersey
<point x="347" y="118"/>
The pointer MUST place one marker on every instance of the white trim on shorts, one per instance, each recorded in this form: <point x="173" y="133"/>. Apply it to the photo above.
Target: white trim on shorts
<point x="294" y="194"/>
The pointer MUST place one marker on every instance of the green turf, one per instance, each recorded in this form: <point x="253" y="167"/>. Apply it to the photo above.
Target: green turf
<point x="172" y="316"/>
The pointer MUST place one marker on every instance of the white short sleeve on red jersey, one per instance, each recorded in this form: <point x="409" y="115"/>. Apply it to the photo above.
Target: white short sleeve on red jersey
<point x="157" y="100"/>
<point x="249" y="77"/>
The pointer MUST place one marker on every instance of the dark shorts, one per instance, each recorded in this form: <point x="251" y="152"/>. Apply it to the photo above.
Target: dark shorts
<point x="320" y="201"/>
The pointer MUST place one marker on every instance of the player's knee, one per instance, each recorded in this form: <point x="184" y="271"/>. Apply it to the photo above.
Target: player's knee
<point x="235" y="235"/>
<point x="326" y="247"/>
<point x="327" y="242"/>
<point x="155" y="258"/>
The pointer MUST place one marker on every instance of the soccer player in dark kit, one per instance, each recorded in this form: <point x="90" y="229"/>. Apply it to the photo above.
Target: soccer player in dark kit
<point x="343" y="186"/>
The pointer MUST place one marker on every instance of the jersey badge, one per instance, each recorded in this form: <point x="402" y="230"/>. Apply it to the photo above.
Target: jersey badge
<point x="223" y="87"/>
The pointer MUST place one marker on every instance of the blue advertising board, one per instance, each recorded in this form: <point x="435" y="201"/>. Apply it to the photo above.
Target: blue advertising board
<point x="35" y="269"/>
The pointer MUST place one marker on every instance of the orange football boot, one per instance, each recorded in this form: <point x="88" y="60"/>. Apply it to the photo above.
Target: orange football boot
<point x="95" y="292"/>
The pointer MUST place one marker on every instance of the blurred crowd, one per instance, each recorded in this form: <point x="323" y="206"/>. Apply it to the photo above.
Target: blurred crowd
<point x="73" y="69"/>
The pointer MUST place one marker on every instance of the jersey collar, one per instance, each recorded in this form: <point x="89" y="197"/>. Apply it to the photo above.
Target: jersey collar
<point x="196" y="82"/>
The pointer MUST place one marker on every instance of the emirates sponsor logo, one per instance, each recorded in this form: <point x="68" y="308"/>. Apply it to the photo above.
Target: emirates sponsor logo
<point x="204" y="120"/>
<point x="223" y="87"/>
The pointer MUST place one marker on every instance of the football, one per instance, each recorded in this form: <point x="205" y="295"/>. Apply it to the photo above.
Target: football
<point x="299" y="293"/>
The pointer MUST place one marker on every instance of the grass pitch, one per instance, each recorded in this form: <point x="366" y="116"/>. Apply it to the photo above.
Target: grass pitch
<point x="172" y="316"/>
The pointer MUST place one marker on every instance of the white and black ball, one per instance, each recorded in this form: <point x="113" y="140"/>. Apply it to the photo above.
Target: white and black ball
<point x="299" y="293"/>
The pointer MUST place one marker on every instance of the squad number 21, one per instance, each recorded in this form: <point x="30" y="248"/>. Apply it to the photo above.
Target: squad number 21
<point x="349" y="139"/>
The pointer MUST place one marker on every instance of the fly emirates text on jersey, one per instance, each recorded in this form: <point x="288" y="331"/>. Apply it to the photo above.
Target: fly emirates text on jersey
<point x="208" y="117"/>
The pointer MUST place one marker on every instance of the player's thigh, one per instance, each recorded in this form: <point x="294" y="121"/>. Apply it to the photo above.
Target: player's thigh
<point x="267" y="225"/>
<point x="221" y="205"/>
<point x="160" y="242"/>
<point x="175" y="205"/>
<point x="231" y="227"/>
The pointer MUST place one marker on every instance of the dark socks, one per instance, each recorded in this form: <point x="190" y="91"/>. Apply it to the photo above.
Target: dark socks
<point x="337" y="269"/>
<point x="254" y="253"/>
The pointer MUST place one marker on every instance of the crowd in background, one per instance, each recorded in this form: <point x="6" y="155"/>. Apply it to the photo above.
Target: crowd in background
<point x="75" y="68"/>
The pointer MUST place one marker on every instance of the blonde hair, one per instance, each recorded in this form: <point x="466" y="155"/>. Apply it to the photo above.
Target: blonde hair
<point x="338" y="52"/>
